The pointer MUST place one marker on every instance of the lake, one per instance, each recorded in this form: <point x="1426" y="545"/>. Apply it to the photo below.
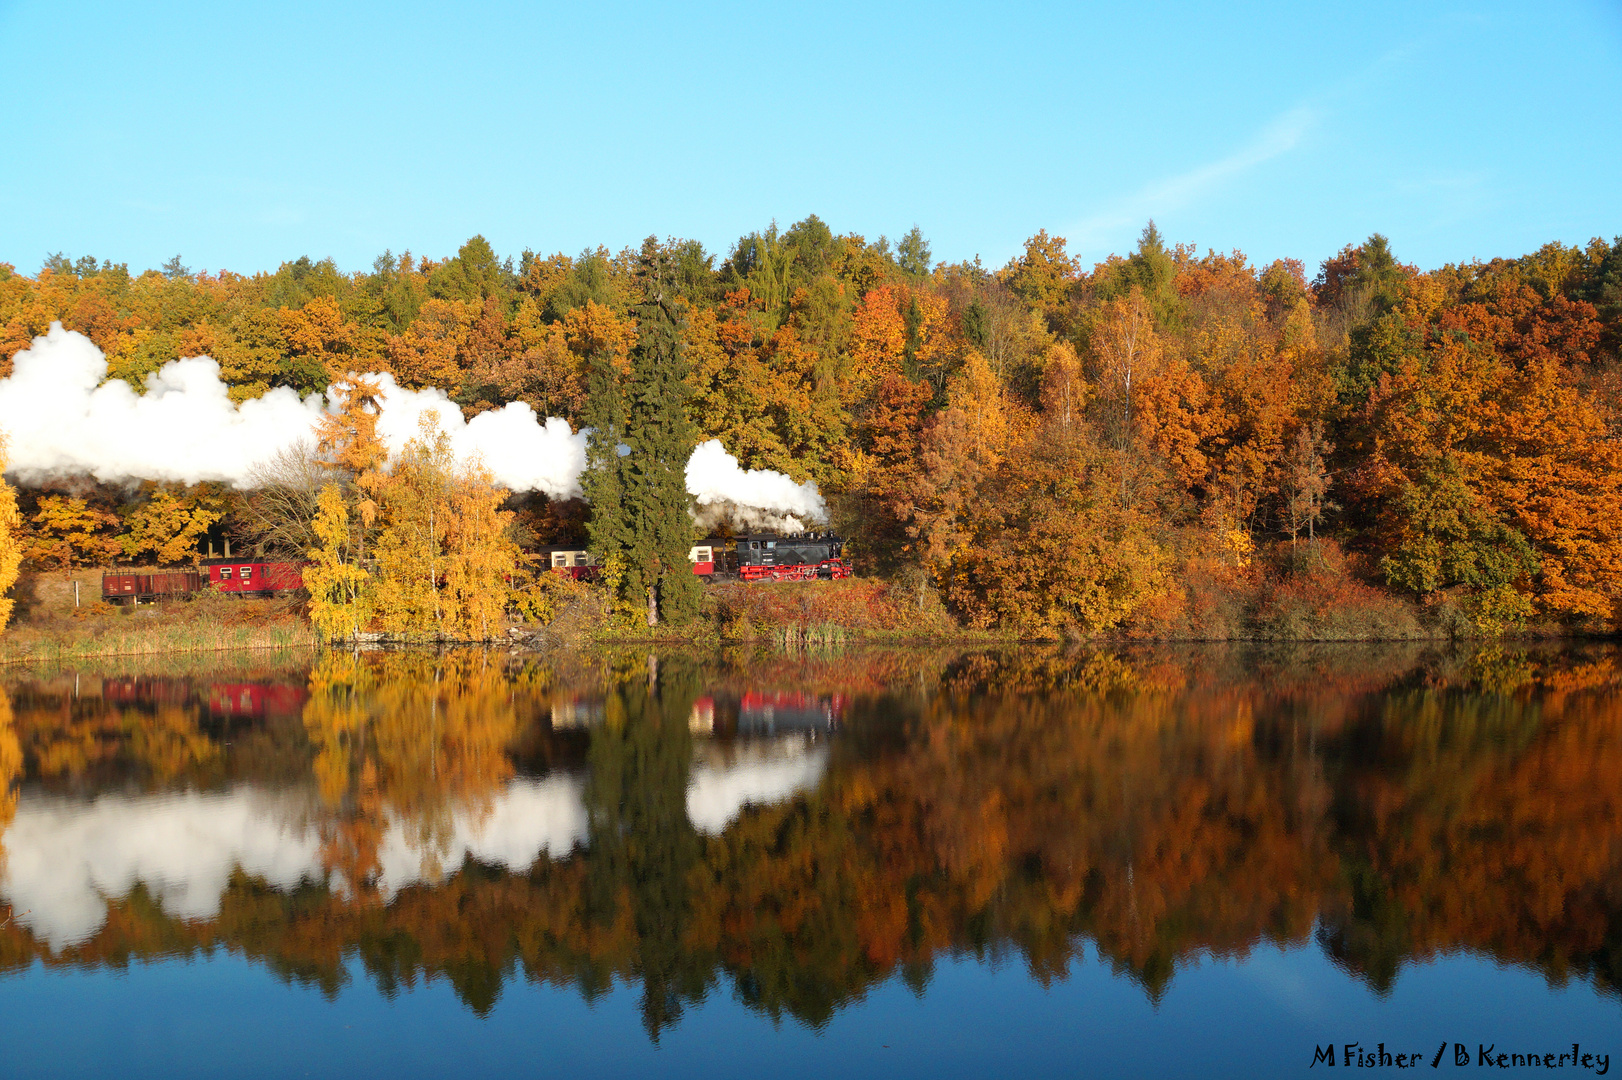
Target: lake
<point x="1197" y="861"/>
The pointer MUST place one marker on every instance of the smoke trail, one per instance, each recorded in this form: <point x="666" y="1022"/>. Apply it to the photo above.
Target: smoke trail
<point x="63" y="419"/>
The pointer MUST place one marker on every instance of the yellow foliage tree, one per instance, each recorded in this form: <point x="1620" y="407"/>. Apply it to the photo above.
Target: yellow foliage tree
<point x="69" y="532"/>
<point x="410" y="545"/>
<point x="878" y="342"/>
<point x="443" y="558"/>
<point x="319" y="339"/>
<point x="479" y="558"/>
<point x="11" y="555"/>
<point x="348" y="439"/>
<point x="428" y="353"/>
<point x="335" y="579"/>
<point x="1065" y="392"/>
<point x="168" y="526"/>
<point x="1050" y="548"/>
<point x="990" y="417"/>
<point x="1128" y="351"/>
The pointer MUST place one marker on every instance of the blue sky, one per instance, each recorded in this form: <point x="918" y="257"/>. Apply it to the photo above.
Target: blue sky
<point x="240" y="136"/>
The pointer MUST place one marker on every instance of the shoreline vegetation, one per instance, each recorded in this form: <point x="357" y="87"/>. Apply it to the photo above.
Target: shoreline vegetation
<point x="1166" y="446"/>
<point x="48" y="627"/>
<point x="789" y="618"/>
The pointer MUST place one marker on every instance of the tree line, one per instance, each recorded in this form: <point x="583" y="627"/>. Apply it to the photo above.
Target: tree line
<point x="1165" y="443"/>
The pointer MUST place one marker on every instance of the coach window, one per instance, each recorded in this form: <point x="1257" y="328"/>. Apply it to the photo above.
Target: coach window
<point x="247" y="572"/>
<point x="225" y="573"/>
<point x="581" y="558"/>
<point x="560" y="559"/>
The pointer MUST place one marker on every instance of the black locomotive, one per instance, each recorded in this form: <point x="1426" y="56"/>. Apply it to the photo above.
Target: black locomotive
<point x="752" y="557"/>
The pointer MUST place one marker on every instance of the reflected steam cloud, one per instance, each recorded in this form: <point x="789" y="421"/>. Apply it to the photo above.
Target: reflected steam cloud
<point x="67" y="858"/>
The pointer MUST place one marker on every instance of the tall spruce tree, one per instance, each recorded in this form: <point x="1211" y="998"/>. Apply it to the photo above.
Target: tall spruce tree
<point x="641" y="514"/>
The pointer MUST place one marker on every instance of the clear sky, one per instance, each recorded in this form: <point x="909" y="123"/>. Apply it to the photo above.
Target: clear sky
<point x="242" y="135"/>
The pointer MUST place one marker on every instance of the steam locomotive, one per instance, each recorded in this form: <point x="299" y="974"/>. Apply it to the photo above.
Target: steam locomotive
<point x="751" y="557"/>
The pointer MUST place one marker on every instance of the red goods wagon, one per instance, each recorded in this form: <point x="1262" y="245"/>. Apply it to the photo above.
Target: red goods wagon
<point x="137" y="586"/>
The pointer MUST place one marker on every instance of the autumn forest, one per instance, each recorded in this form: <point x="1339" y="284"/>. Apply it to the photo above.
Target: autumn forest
<point x="1167" y="444"/>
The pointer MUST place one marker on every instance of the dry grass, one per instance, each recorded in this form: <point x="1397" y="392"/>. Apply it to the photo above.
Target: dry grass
<point x="1303" y="593"/>
<point x="829" y="612"/>
<point x="48" y="628"/>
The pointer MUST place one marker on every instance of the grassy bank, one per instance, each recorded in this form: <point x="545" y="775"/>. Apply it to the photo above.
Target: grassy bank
<point x="788" y="615"/>
<point x="49" y="627"/>
<point x="1313" y="593"/>
<point x="1318" y="601"/>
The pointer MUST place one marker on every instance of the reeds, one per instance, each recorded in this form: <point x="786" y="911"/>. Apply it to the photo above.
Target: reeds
<point x="160" y="638"/>
<point x="823" y="638"/>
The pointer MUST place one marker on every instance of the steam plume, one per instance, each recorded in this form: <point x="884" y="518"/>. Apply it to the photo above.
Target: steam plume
<point x="63" y="419"/>
<point x="750" y="499"/>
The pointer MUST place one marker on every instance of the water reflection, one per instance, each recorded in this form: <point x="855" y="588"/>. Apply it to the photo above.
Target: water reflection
<point x="799" y="831"/>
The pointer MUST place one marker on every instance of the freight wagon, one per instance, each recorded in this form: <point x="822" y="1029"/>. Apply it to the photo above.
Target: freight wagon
<point x="135" y="587"/>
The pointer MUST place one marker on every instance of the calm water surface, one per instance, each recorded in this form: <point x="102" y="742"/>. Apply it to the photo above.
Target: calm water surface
<point x="1198" y="862"/>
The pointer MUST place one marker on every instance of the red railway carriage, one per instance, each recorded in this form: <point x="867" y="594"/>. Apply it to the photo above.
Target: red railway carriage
<point x="253" y="578"/>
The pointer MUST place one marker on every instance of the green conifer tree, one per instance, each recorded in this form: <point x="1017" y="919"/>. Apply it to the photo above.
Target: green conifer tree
<point x="641" y="519"/>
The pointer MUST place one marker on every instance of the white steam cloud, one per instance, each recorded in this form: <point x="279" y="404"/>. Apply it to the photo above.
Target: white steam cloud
<point x="523" y="452"/>
<point x="748" y="498"/>
<point x="63" y="417"/>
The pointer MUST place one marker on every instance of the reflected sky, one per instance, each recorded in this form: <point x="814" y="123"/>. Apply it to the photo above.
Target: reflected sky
<point x="977" y="1020"/>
